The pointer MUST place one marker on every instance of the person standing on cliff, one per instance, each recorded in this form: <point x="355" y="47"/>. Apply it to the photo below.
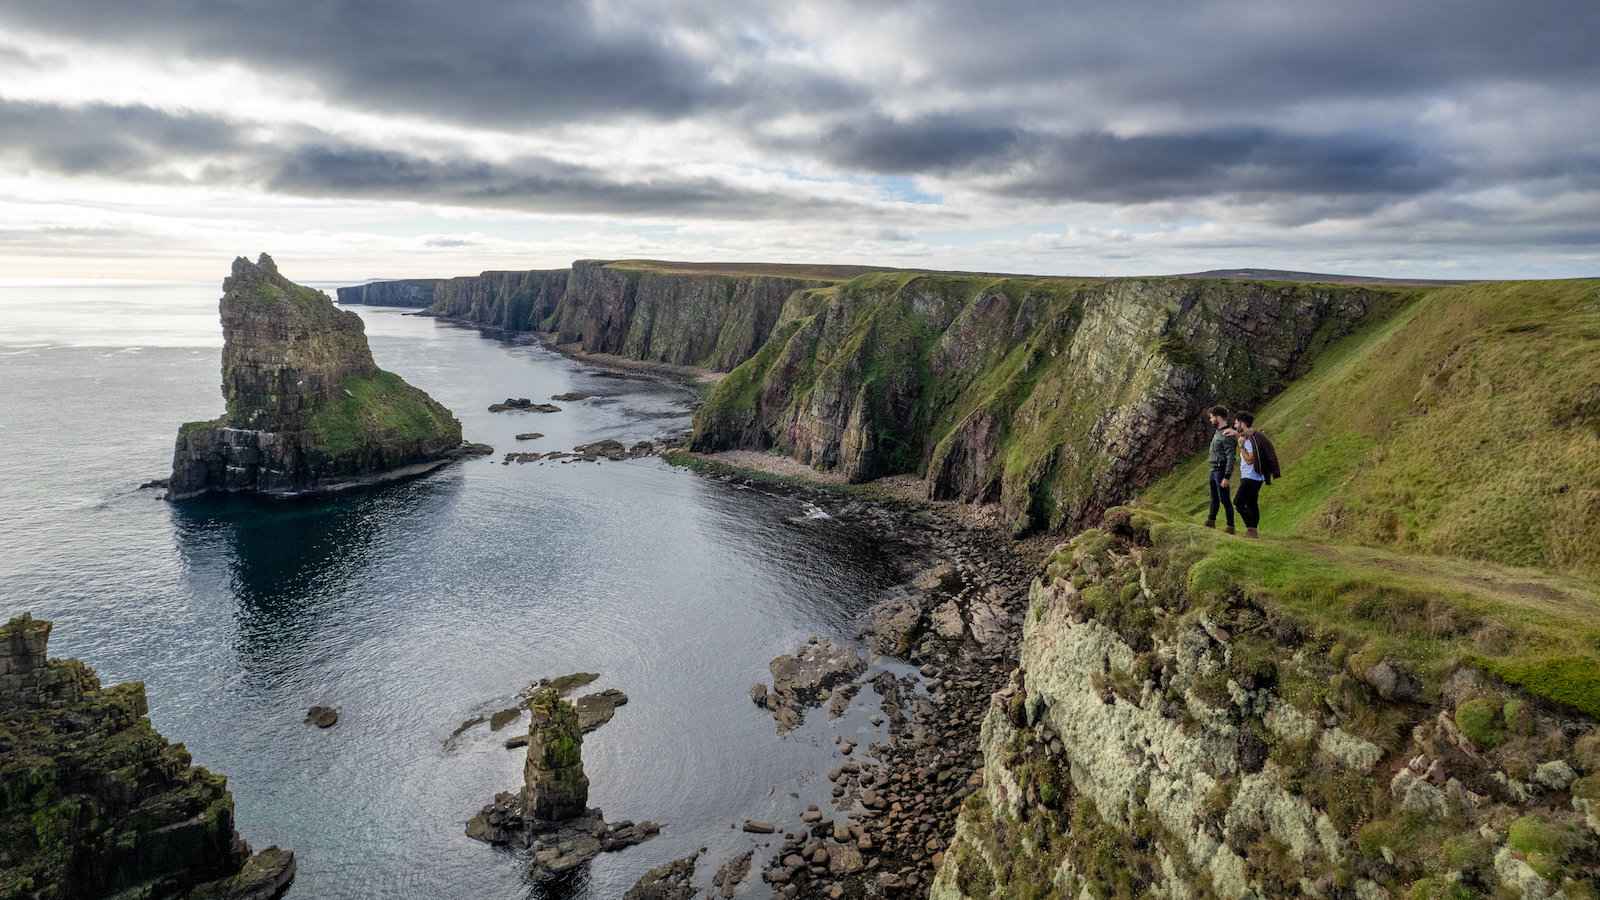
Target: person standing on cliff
<point x="1223" y="445"/>
<point x="1258" y="465"/>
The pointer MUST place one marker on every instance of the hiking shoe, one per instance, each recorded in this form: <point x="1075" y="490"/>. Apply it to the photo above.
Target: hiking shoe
<point x="1231" y="531"/>
<point x="1211" y="523"/>
<point x="1251" y="533"/>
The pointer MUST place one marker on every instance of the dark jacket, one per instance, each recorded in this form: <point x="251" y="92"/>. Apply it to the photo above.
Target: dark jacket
<point x="1223" y="449"/>
<point x="1266" y="457"/>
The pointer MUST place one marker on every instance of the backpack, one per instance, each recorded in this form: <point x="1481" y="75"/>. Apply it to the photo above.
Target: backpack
<point x="1266" y="457"/>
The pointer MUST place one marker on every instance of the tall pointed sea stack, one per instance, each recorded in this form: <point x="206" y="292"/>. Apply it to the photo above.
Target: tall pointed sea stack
<point x="308" y="411"/>
<point x="557" y="789"/>
<point x="97" y="804"/>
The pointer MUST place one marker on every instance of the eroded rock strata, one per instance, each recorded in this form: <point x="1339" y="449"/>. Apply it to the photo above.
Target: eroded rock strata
<point x="1055" y="397"/>
<point x="709" y="319"/>
<point x="97" y="803"/>
<point x="308" y="411"/>
<point x="1163" y="739"/>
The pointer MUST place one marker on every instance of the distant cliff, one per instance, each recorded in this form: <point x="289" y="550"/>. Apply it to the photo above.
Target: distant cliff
<point x="714" y="316"/>
<point x="689" y="318"/>
<point x="513" y="301"/>
<point x="96" y="803"/>
<point x="1058" y="398"/>
<point x="413" y="292"/>
<point x="308" y="411"/>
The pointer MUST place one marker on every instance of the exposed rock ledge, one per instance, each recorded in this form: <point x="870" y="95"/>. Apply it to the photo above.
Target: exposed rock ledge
<point x="98" y="804"/>
<point x="308" y="411"/>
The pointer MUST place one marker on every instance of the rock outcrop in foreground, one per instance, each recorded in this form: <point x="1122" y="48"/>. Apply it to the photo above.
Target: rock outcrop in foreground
<point x="308" y="411"/>
<point x="96" y="803"/>
<point x="1174" y="730"/>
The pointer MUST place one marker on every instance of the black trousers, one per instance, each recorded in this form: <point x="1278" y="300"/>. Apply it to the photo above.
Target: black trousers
<point x="1219" y="497"/>
<point x="1247" y="499"/>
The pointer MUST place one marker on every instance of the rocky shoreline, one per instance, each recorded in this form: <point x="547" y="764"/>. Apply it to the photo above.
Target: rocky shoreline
<point x="956" y="622"/>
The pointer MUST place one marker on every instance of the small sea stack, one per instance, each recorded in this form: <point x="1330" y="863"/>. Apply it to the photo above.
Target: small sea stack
<point x="308" y="411"/>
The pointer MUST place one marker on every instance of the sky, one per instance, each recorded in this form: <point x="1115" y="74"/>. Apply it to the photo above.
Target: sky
<point x="356" y="139"/>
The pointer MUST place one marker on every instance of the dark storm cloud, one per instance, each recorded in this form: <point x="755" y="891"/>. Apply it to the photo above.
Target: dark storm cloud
<point x="1324" y="108"/>
<point x="1111" y="169"/>
<point x="141" y="144"/>
<point x="926" y="144"/>
<point x="107" y="140"/>
<point x="496" y="62"/>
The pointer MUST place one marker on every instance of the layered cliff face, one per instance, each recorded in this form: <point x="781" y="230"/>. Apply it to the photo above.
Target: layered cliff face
<point x="715" y="321"/>
<point x="1195" y="716"/>
<point x="96" y="803"/>
<point x="1057" y="398"/>
<point x="413" y="292"/>
<point x="308" y="411"/>
<point x="713" y="317"/>
<point x="513" y="301"/>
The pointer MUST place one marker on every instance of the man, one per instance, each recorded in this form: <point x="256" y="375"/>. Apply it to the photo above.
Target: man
<point x="1258" y="465"/>
<point x="1223" y="445"/>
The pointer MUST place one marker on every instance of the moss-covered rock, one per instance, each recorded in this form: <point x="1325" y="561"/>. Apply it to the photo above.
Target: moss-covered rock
<point x="95" y="802"/>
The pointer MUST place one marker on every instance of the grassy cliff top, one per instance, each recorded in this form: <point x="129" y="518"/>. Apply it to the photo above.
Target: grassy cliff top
<point x="1441" y="492"/>
<point x="1466" y="426"/>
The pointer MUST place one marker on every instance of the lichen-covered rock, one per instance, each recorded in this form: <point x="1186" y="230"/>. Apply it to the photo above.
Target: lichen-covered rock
<point x="308" y="411"/>
<point x="1058" y="398"/>
<point x="96" y="803"/>
<point x="1159" y="742"/>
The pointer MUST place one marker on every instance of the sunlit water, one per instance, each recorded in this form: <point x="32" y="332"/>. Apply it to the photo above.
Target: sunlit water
<point x="413" y="607"/>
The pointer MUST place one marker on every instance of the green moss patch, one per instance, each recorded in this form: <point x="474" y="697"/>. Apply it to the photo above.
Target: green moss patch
<point x="381" y="409"/>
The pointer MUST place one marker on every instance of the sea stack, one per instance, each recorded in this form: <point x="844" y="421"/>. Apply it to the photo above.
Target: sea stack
<point x="557" y="789"/>
<point x="308" y="411"/>
<point x="97" y="803"/>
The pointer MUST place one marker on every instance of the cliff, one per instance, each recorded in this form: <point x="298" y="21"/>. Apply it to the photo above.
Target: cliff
<point x="711" y="320"/>
<point x="413" y="292"/>
<point x="308" y="411"/>
<point x="96" y="803"/>
<point x="1368" y="702"/>
<point x="710" y="315"/>
<point x="512" y="301"/>
<point x="1058" y="398"/>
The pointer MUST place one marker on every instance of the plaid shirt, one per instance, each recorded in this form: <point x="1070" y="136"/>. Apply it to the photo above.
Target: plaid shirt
<point x="1222" y="453"/>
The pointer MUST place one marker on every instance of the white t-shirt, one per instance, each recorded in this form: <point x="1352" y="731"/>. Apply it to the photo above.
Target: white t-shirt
<point x="1246" y="470"/>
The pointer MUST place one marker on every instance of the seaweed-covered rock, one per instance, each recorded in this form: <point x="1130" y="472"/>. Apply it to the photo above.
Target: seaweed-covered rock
<point x="97" y="803"/>
<point x="308" y="411"/>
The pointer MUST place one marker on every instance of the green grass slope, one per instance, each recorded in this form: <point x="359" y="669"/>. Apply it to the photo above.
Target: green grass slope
<point x="1441" y="494"/>
<point x="1467" y="425"/>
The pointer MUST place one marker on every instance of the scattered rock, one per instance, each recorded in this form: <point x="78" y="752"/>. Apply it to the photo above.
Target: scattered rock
<point x="322" y="716"/>
<point x="529" y="436"/>
<point x="757" y="826"/>
<point x="726" y="882"/>
<point x="597" y="709"/>
<point x="806" y="677"/>
<point x="570" y="397"/>
<point x="523" y="404"/>
<point x="758" y="694"/>
<point x="671" y="881"/>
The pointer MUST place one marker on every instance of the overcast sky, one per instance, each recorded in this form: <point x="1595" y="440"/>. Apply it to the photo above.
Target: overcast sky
<point x="1453" y="138"/>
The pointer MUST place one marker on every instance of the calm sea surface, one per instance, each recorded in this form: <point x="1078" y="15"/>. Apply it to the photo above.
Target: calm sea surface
<point x="415" y="606"/>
